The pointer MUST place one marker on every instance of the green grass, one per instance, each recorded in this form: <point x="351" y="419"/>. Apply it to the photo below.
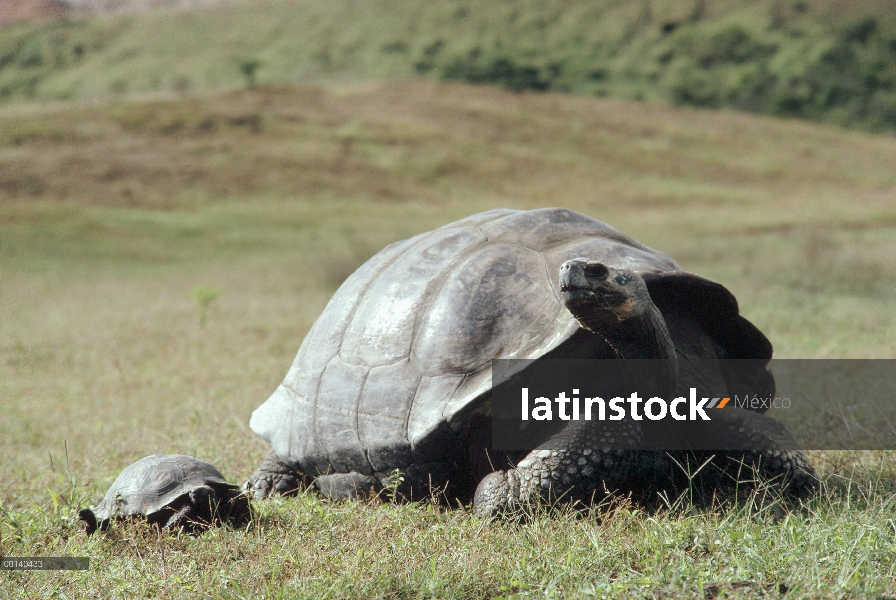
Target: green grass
<point x="307" y="548"/>
<point x="825" y="60"/>
<point x="113" y="212"/>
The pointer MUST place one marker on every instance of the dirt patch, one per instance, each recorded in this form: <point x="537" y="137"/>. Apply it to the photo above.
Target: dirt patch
<point x="12" y="11"/>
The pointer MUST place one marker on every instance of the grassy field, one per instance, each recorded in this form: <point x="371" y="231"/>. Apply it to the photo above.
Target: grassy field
<point x="113" y="212"/>
<point x="825" y="60"/>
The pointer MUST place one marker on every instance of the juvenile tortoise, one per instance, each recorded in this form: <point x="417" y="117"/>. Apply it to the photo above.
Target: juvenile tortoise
<point x="172" y="491"/>
<point x="395" y="373"/>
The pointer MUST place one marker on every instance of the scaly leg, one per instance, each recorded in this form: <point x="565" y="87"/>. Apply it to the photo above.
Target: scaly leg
<point x="275" y="476"/>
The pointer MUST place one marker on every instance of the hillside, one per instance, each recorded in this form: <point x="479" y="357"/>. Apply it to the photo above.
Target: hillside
<point x="831" y="60"/>
<point x="117" y="216"/>
<point x="786" y="213"/>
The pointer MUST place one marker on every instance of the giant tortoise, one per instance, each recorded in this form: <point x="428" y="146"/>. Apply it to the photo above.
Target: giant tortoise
<point x="394" y="377"/>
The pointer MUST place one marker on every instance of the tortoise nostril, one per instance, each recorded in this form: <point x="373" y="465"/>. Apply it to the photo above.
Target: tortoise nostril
<point x="596" y="272"/>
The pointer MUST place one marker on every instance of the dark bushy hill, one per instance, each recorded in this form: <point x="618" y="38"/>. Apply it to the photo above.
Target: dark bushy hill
<point x="832" y="61"/>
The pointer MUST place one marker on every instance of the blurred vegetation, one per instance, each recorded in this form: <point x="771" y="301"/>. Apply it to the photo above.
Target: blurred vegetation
<point x="204" y="296"/>
<point x="828" y="60"/>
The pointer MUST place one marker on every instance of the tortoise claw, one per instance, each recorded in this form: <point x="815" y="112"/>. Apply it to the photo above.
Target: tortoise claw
<point x="275" y="476"/>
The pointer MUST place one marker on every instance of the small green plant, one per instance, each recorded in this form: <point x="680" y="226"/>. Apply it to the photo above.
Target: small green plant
<point x="204" y="296"/>
<point x="396" y="478"/>
<point x="248" y="67"/>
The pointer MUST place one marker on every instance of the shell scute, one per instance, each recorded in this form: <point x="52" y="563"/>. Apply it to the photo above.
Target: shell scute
<point x="486" y="309"/>
<point x="323" y="340"/>
<point x="335" y="416"/>
<point x="383" y="325"/>
<point x="383" y="413"/>
<point x="545" y="228"/>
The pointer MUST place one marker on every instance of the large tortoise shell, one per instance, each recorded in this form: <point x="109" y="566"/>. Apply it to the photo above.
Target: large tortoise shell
<point x="406" y="342"/>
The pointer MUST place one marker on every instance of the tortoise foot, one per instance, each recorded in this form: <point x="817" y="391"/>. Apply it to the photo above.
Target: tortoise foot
<point x="275" y="476"/>
<point x="496" y="493"/>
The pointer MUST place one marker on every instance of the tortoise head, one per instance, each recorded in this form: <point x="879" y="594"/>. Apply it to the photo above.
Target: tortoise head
<point x="601" y="297"/>
<point x="615" y="304"/>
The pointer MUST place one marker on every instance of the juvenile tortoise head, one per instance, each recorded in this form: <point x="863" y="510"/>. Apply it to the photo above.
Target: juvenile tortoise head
<point x="599" y="296"/>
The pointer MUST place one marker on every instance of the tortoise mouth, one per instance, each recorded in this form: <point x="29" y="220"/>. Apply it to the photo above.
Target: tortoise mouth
<point x="577" y="293"/>
<point x="573" y="295"/>
<point x="598" y="296"/>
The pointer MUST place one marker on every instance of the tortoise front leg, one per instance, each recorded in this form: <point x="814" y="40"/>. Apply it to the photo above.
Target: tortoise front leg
<point x="198" y="510"/>
<point x="183" y="517"/>
<point x="585" y="460"/>
<point x="275" y="476"/>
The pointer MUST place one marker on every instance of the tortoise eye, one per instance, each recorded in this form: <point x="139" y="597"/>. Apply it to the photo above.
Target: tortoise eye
<point x="596" y="272"/>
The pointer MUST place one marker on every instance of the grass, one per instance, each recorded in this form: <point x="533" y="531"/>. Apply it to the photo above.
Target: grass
<point x="305" y="548"/>
<point x="826" y="60"/>
<point x="114" y="212"/>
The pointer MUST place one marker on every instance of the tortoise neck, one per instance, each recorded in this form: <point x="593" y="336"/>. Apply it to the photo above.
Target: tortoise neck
<point x="646" y="336"/>
<point x="642" y="336"/>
